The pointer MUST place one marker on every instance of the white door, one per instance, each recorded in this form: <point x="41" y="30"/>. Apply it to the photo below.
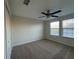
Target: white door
<point x="7" y="34"/>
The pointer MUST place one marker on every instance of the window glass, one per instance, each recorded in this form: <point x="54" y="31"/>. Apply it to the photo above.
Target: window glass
<point x="68" y="28"/>
<point x="54" y="28"/>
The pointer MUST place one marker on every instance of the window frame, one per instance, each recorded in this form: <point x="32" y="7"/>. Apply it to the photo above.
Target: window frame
<point x="60" y="29"/>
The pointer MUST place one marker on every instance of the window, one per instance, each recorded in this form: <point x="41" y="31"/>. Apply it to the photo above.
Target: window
<point x="63" y="28"/>
<point x="68" y="28"/>
<point x="54" y="28"/>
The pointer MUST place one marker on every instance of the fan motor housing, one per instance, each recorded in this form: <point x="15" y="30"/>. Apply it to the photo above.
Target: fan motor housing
<point x="26" y="2"/>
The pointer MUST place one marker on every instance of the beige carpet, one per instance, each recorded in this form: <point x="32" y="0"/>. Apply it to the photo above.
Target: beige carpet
<point x="43" y="49"/>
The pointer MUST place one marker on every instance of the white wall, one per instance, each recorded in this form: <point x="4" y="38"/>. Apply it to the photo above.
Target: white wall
<point x="25" y="30"/>
<point x="8" y="47"/>
<point x="63" y="40"/>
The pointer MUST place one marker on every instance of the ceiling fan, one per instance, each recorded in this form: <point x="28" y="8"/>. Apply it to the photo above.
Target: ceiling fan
<point x="26" y="2"/>
<point x="49" y="14"/>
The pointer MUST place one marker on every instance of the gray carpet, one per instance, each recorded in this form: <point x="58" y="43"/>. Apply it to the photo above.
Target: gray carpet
<point x="42" y="49"/>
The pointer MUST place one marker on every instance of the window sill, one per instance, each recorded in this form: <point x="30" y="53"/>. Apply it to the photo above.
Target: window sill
<point x="61" y="37"/>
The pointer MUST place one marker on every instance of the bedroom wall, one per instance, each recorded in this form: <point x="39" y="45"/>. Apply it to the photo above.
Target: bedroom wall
<point x="25" y="30"/>
<point x="63" y="40"/>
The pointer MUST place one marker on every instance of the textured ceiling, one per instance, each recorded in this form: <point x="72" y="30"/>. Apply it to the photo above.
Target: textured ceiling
<point x="33" y="10"/>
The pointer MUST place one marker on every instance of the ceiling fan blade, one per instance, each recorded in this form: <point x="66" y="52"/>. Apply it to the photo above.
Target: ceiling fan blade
<point x="56" y="12"/>
<point x="54" y="16"/>
<point x="44" y="13"/>
<point x="41" y="16"/>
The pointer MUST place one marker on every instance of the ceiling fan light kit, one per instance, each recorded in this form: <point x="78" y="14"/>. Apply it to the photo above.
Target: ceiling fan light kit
<point x="26" y="2"/>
